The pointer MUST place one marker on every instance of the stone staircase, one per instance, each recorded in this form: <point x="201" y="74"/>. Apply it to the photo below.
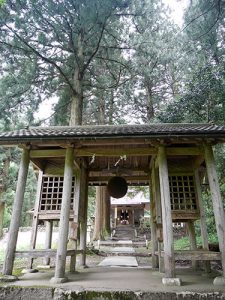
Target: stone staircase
<point x="124" y="232"/>
<point x="123" y="243"/>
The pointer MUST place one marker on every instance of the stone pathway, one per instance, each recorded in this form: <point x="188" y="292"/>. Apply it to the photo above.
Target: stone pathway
<point x="120" y="261"/>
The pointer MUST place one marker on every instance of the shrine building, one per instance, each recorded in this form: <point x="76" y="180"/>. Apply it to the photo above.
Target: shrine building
<point x="173" y="159"/>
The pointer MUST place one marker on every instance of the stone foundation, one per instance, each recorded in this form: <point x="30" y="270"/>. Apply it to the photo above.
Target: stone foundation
<point x="42" y="293"/>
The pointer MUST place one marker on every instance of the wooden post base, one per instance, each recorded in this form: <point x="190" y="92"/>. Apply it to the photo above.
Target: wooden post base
<point x="171" y="281"/>
<point x="219" y="281"/>
<point x="56" y="280"/>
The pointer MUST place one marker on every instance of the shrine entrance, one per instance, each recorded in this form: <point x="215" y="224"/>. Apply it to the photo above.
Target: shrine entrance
<point x="125" y="216"/>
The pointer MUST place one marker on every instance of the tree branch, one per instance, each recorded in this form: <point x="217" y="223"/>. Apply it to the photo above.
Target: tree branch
<point x="199" y="16"/>
<point x="46" y="59"/>
<point x="95" y="51"/>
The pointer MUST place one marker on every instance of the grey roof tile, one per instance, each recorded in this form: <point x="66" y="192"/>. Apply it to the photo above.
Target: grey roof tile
<point x="113" y="130"/>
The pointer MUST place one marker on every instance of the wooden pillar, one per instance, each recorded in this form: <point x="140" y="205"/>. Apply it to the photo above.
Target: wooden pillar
<point x="16" y="213"/>
<point x="35" y="216"/>
<point x="64" y="219"/>
<point x="217" y="201"/>
<point x="203" y="226"/>
<point x="48" y="238"/>
<point x="155" y="261"/>
<point x="83" y="214"/>
<point x="166" y="214"/>
<point x="192" y="238"/>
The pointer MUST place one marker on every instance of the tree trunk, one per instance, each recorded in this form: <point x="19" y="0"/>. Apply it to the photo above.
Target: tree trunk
<point x="76" y="112"/>
<point x="106" y="212"/>
<point x="150" y="107"/>
<point x="97" y="235"/>
<point x="111" y="105"/>
<point x="77" y="101"/>
<point x="2" y="208"/>
<point x="101" y="116"/>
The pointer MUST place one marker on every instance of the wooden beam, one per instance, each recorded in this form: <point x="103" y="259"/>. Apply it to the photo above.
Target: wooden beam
<point x="128" y="178"/>
<point x="176" y="151"/>
<point x="137" y="151"/>
<point x="195" y="255"/>
<point x="44" y="253"/>
<point x="197" y="161"/>
<point x="49" y="153"/>
<point x="115" y="151"/>
<point x="118" y="151"/>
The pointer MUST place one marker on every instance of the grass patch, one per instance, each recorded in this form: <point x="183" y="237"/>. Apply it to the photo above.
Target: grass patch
<point x="17" y="272"/>
<point x="184" y="244"/>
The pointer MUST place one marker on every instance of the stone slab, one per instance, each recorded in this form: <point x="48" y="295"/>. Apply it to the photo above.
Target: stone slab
<point x="123" y="249"/>
<point x="171" y="281"/>
<point x="124" y="242"/>
<point x="121" y="261"/>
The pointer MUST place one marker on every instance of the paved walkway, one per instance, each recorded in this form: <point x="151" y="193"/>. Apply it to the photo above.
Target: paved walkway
<point x="123" y="236"/>
<point x="120" y="275"/>
<point x="123" y="279"/>
<point x="120" y="261"/>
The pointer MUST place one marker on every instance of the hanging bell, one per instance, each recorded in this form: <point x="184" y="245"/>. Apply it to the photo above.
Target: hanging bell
<point x="117" y="187"/>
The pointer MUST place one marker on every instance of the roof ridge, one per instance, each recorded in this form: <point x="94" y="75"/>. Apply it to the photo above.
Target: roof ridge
<point x="115" y="125"/>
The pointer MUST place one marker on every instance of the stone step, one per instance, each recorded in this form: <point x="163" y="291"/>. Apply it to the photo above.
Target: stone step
<point x="125" y="244"/>
<point x="134" y="254"/>
<point x="122" y="261"/>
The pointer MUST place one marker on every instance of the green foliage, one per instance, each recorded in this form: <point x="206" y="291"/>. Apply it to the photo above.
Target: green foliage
<point x="48" y="48"/>
<point x="182" y="244"/>
<point x="91" y="203"/>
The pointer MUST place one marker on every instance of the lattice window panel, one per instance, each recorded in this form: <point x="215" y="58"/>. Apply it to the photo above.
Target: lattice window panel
<point x="182" y="192"/>
<point x="51" y="193"/>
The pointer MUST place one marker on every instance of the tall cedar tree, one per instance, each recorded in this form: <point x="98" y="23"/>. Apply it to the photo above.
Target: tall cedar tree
<point x="47" y="46"/>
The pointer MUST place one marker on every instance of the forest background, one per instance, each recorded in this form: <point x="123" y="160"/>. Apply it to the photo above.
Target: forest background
<point x="108" y="62"/>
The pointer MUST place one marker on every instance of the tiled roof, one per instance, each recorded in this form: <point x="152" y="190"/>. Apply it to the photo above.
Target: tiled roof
<point x="96" y="131"/>
<point x="127" y="200"/>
